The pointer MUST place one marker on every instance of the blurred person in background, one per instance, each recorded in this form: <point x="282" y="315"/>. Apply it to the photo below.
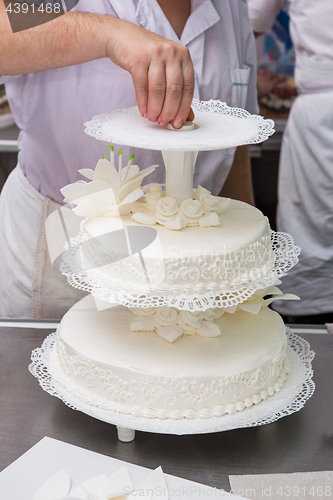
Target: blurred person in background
<point x="305" y="189"/>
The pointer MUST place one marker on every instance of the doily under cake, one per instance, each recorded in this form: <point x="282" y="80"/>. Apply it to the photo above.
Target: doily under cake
<point x="297" y="389"/>
<point x="194" y="297"/>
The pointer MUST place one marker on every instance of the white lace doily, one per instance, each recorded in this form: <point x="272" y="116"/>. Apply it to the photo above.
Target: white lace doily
<point x="297" y="389"/>
<point x="193" y="300"/>
<point x="217" y="126"/>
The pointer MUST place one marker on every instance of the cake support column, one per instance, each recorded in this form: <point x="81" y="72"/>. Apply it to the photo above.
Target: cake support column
<point x="125" y="435"/>
<point x="179" y="167"/>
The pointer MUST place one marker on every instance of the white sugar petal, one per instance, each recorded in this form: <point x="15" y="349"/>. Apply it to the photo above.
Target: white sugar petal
<point x="88" y="173"/>
<point x="170" y="333"/>
<point x="78" y="494"/>
<point x="106" y="196"/>
<point x="144" y="218"/>
<point x="285" y="296"/>
<point x="118" y="484"/>
<point x="134" y="170"/>
<point x="208" y="329"/>
<point x="230" y="309"/>
<point x="74" y="191"/>
<point x="132" y="197"/>
<point x="128" y="188"/>
<point x="157" y="484"/>
<point x="175" y="223"/>
<point x="250" y="308"/>
<point x="143" y="173"/>
<point x="273" y="290"/>
<point x="104" y="171"/>
<point x="95" y="187"/>
<point x="209" y="220"/>
<point x="94" y="486"/>
<point x="90" y="208"/>
<point x="142" y="324"/>
<point x="55" y="488"/>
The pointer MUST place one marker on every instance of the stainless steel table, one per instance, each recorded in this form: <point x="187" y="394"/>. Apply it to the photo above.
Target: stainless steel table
<point x="300" y="442"/>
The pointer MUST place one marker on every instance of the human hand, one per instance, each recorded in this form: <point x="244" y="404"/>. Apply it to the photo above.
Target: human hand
<point x="161" y="69"/>
<point x="267" y="81"/>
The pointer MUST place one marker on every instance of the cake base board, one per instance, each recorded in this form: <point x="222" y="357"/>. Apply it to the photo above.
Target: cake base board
<point x="297" y="389"/>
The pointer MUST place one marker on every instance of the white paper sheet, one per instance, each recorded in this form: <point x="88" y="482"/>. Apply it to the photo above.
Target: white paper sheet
<point x="23" y="478"/>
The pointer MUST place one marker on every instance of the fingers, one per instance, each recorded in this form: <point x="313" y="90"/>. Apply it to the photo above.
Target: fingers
<point x="173" y="95"/>
<point x="190" y="116"/>
<point x="156" y="89"/>
<point x="170" y="87"/>
<point x="185" y="110"/>
<point x="162" y="73"/>
<point x="140" y="80"/>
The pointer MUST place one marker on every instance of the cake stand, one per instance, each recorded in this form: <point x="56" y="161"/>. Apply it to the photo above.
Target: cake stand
<point x="217" y="126"/>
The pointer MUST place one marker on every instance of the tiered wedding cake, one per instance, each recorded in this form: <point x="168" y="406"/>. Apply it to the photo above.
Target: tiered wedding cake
<point x="177" y="324"/>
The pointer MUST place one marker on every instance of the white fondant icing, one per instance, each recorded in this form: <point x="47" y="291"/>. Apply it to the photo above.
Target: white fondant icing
<point x="98" y="358"/>
<point x="193" y="260"/>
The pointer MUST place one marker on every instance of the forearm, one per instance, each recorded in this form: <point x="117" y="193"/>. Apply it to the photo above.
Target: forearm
<point x="161" y="69"/>
<point x="72" y="38"/>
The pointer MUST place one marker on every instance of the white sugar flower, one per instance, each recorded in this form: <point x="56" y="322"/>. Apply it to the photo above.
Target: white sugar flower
<point x="209" y="202"/>
<point x="165" y="316"/>
<point x="165" y="208"/>
<point x="191" y="210"/>
<point x="110" y="193"/>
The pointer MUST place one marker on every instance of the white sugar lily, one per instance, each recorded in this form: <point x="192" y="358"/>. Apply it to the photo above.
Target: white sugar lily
<point x="110" y="192"/>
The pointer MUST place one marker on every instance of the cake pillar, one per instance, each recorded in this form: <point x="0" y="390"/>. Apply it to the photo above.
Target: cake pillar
<point x="179" y="167"/>
<point x="125" y="435"/>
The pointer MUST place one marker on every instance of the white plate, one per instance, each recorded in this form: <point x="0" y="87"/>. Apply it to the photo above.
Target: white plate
<point x="217" y="126"/>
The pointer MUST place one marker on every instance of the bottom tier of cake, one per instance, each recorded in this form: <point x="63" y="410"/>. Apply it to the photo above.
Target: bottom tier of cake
<point x="99" y="360"/>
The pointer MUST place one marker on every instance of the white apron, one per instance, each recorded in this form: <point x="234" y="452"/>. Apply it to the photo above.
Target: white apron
<point x="29" y="286"/>
<point x="305" y="208"/>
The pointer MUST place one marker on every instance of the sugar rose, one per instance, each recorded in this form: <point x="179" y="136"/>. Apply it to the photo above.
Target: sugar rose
<point x="191" y="209"/>
<point x="166" y="207"/>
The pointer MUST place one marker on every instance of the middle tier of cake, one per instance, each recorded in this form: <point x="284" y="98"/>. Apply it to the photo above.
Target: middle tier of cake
<point x="123" y="254"/>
